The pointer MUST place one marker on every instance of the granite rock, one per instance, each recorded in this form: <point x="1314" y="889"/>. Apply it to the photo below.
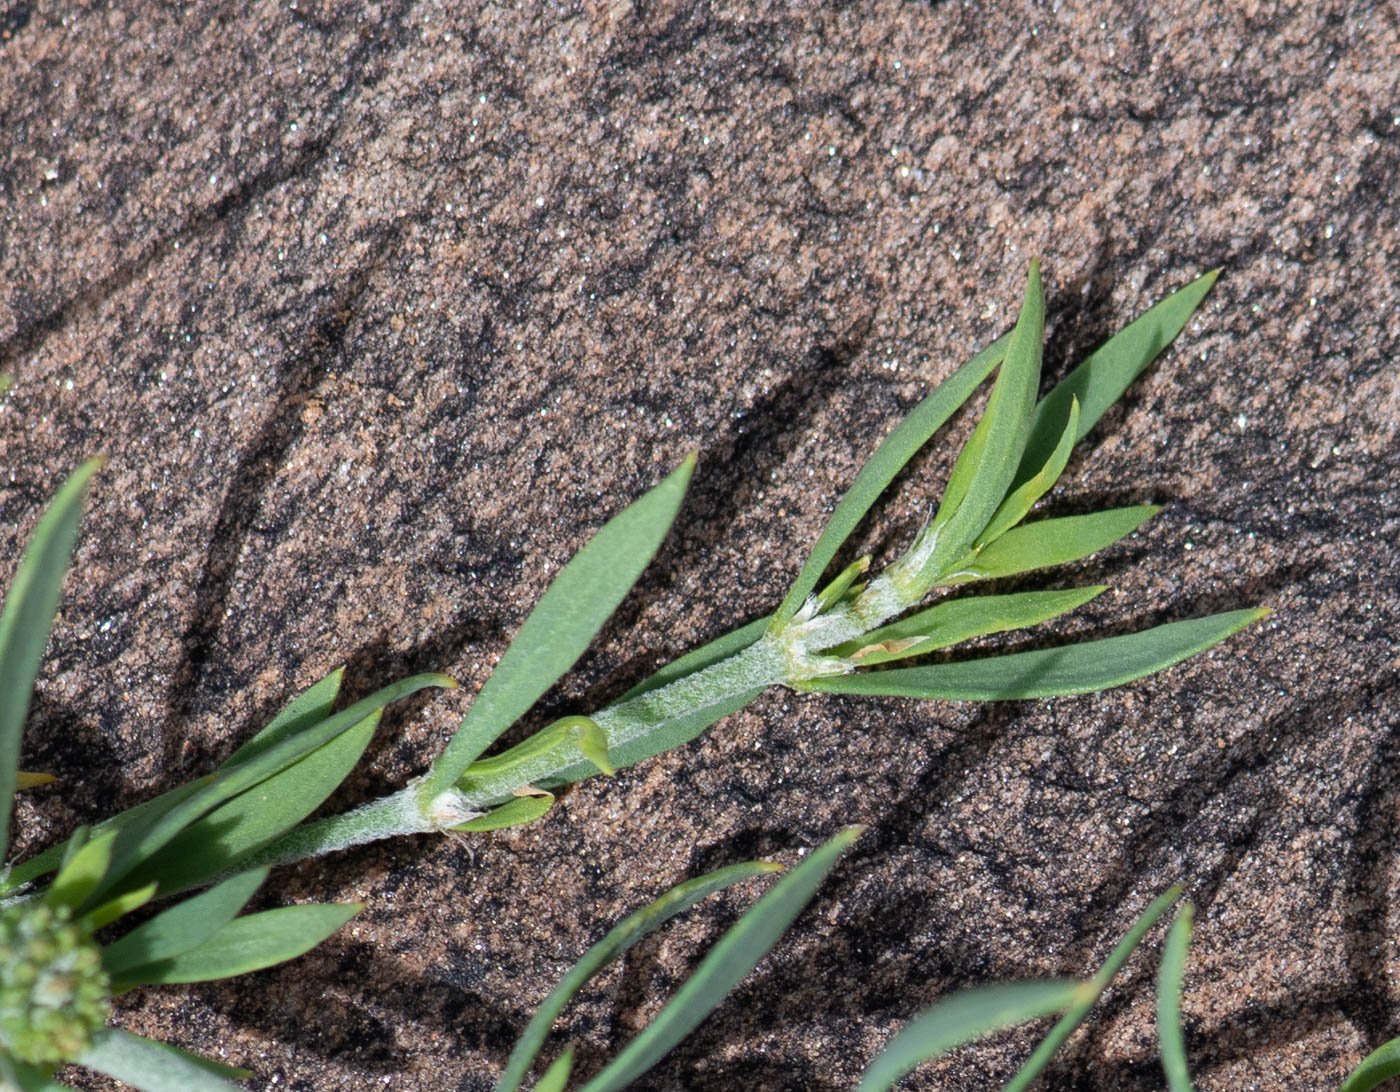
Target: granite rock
<point x="378" y="310"/>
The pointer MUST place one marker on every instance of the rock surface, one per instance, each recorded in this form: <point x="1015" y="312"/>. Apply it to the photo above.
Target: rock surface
<point x="378" y="310"/>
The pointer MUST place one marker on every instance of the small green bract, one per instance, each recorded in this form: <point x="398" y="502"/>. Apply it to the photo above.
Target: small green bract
<point x="53" y="990"/>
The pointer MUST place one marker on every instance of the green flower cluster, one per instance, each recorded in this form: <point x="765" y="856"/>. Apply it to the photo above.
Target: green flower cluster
<point x="53" y="989"/>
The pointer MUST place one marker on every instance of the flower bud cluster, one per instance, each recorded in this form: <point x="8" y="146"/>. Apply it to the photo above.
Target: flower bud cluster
<point x="53" y="990"/>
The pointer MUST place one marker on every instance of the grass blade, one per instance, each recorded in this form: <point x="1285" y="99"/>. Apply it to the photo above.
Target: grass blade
<point x="27" y="620"/>
<point x="1050" y="542"/>
<point x="557" y="632"/>
<point x="184" y="926"/>
<point x="1090" y="993"/>
<point x="1049" y="672"/>
<point x="245" y="944"/>
<point x="957" y="620"/>
<point x="728" y="962"/>
<point x="155" y="1067"/>
<point x="881" y="468"/>
<point x="1375" y="1069"/>
<point x="1170" y="972"/>
<point x="1106" y="373"/>
<point x="626" y="933"/>
<point x="962" y="1018"/>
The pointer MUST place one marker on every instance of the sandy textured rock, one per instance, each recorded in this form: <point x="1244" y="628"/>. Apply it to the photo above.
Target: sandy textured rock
<point x="377" y="311"/>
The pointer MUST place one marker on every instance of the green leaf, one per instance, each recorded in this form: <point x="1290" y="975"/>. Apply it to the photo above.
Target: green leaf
<point x="142" y="815"/>
<point x="17" y="1076"/>
<point x="308" y="708"/>
<point x="245" y="944"/>
<point x="137" y="845"/>
<point x="662" y="735"/>
<point x="27" y="620"/>
<point x="1106" y="373"/>
<point x="956" y="620"/>
<point x="834" y="592"/>
<point x="1375" y="1069"/>
<point x="1090" y="992"/>
<point x="212" y="846"/>
<point x="736" y="953"/>
<point x="182" y="927"/>
<point x="557" y="1075"/>
<point x="987" y="464"/>
<point x="81" y="872"/>
<point x="721" y="648"/>
<point x="592" y="741"/>
<point x="962" y="1018"/>
<point x="110" y="911"/>
<point x="513" y="813"/>
<point x="622" y="936"/>
<point x="549" y="759"/>
<point x="1170" y="972"/>
<point x="1043" y="673"/>
<point x="1022" y="499"/>
<point x="570" y="613"/>
<point x="155" y="1067"/>
<point x="1050" y="542"/>
<point x="881" y="468"/>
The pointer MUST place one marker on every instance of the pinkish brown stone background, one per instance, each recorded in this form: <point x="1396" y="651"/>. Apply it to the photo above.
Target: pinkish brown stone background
<point x="378" y="310"/>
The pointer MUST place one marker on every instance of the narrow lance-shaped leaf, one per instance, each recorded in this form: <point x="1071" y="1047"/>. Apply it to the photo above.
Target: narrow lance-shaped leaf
<point x="1090" y="993"/>
<point x="245" y="944"/>
<point x="986" y="466"/>
<point x="736" y="953"/>
<point x="1170" y="972"/>
<point x="1049" y="672"/>
<point x="1049" y="542"/>
<point x="556" y="1077"/>
<point x="137" y="844"/>
<point x="962" y="1018"/>
<point x="557" y="632"/>
<point x="213" y="846"/>
<point x="1375" y="1069"/>
<point x="104" y="914"/>
<point x="1022" y="499"/>
<point x="184" y="926"/>
<point x="513" y="813"/>
<point x="81" y="872"/>
<point x="619" y="939"/>
<point x="155" y="1067"/>
<point x="1106" y="373"/>
<point x="306" y="710"/>
<point x="956" y="620"/>
<point x="884" y="465"/>
<point x="27" y="619"/>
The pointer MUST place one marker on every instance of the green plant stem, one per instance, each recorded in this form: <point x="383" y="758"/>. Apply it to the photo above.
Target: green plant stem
<point x="387" y="817"/>
<point x="787" y="654"/>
